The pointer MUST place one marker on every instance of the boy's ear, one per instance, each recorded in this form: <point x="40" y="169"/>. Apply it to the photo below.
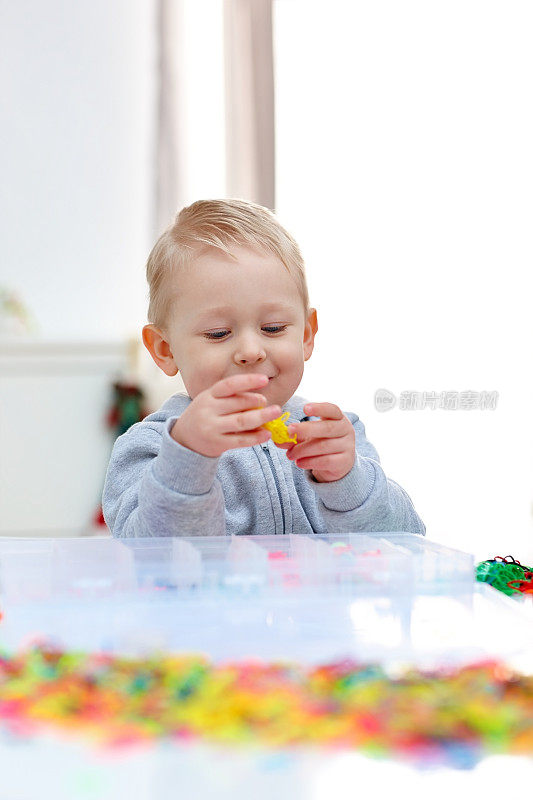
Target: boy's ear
<point x="159" y="348"/>
<point x="311" y="327"/>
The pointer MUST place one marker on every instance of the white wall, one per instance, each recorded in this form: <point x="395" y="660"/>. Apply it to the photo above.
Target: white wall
<point x="77" y="81"/>
<point x="404" y="168"/>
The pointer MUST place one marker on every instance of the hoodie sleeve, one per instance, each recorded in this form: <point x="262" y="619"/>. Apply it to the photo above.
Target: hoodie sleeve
<point x="365" y="499"/>
<point x="156" y="487"/>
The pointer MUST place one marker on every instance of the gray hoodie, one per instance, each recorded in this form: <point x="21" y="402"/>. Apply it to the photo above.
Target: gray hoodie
<point x="156" y="487"/>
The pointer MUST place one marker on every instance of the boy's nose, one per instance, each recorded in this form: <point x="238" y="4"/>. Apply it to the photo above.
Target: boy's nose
<point x="250" y="352"/>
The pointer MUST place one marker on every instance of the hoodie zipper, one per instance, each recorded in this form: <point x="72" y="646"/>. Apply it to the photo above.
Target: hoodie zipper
<point x="269" y="456"/>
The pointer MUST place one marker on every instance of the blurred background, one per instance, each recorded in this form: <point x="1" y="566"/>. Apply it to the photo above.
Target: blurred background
<point x="393" y="139"/>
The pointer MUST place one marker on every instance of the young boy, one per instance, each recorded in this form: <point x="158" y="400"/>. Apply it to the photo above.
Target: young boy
<point x="229" y="309"/>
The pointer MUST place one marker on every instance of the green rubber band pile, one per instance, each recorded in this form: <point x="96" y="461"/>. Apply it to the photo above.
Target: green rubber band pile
<point x="499" y="572"/>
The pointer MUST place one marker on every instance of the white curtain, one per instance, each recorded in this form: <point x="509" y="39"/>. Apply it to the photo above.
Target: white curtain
<point x="250" y="100"/>
<point x="215" y="110"/>
<point x="169" y="194"/>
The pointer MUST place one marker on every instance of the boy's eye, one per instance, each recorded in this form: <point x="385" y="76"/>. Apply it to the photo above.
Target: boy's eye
<point x="215" y="334"/>
<point x="266" y="328"/>
<point x="274" y="328"/>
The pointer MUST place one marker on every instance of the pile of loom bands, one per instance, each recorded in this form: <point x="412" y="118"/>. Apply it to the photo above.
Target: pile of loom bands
<point x="453" y="717"/>
<point x="506" y="574"/>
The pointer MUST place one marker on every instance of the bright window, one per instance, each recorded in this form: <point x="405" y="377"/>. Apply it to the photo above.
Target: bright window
<point x="404" y="169"/>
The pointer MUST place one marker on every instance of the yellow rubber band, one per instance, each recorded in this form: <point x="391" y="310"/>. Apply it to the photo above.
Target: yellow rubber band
<point x="278" y="429"/>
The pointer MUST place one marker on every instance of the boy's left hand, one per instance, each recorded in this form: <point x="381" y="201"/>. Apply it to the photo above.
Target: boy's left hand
<point x="325" y="446"/>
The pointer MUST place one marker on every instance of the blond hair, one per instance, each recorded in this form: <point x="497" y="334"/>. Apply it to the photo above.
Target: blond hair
<point x="219" y="224"/>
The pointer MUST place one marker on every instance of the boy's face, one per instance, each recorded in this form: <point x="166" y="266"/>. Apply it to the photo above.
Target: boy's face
<point x="232" y="317"/>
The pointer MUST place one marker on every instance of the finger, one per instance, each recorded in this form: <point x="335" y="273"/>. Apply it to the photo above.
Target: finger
<point x="319" y="447"/>
<point x="323" y="410"/>
<point x="246" y="438"/>
<point x="329" y="461"/>
<point x="241" y="402"/>
<point x="248" y="420"/>
<point x="284" y="445"/>
<point x="238" y="383"/>
<point x="320" y="429"/>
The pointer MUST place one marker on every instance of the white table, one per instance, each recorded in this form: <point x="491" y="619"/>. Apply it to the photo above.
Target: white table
<point x="315" y="624"/>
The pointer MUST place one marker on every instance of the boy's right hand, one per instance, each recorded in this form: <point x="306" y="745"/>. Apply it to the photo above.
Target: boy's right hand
<point x="226" y="416"/>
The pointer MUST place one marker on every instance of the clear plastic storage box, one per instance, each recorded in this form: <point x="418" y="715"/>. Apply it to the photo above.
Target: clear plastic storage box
<point x="392" y="597"/>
